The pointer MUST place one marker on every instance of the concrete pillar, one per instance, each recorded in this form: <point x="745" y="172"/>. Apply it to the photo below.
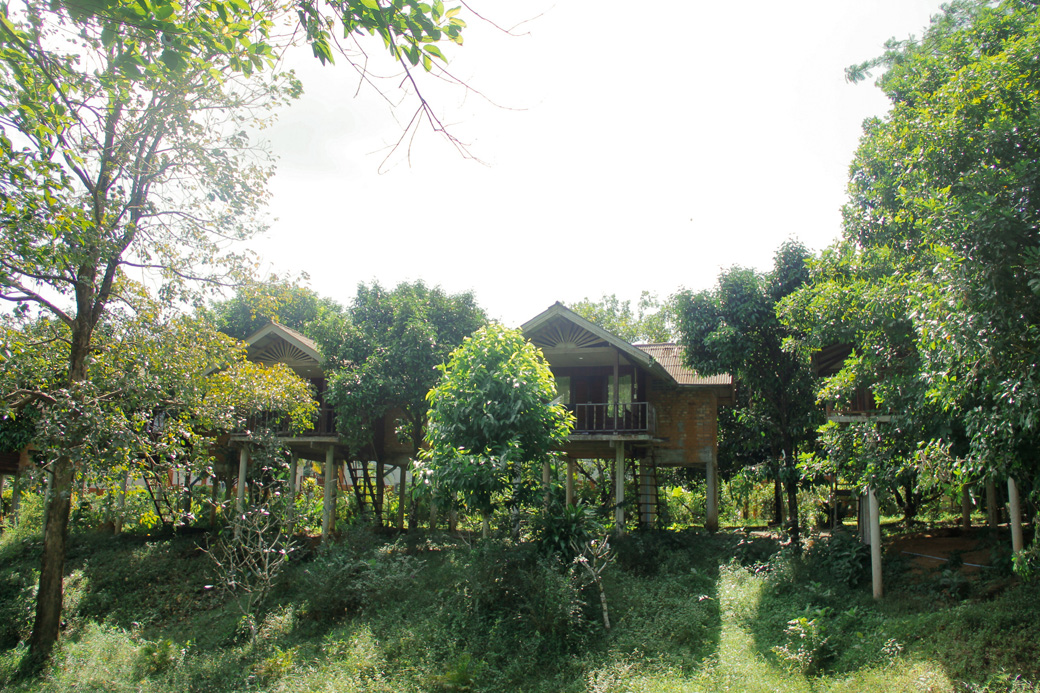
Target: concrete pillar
<point x="294" y="470"/>
<point x="619" y="487"/>
<point x="570" y="480"/>
<point x="1015" y="516"/>
<point x="863" y="518"/>
<point x="875" y="544"/>
<point x="711" y="521"/>
<point x="328" y="501"/>
<point x="402" y="493"/>
<point x="294" y="467"/>
<point x="243" y="463"/>
<point x="992" y="514"/>
<point x="240" y="492"/>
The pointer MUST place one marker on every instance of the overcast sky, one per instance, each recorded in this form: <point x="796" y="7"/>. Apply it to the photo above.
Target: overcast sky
<point x="624" y="147"/>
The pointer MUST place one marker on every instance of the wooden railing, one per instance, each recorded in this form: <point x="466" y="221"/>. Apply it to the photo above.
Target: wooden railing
<point x="628" y="417"/>
<point x="324" y="425"/>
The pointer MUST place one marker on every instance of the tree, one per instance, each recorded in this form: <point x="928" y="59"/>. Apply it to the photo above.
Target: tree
<point x="652" y="321"/>
<point x="384" y="359"/>
<point x="940" y="238"/>
<point x="859" y="300"/>
<point x="256" y="304"/>
<point x="734" y="329"/>
<point x="115" y="160"/>
<point x="492" y="419"/>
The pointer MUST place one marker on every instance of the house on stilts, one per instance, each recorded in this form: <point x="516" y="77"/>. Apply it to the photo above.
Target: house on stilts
<point x="633" y="404"/>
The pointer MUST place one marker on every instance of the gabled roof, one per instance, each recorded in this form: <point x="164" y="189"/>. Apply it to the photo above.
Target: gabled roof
<point x="560" y="327"/>
<point x="275" y="343"/>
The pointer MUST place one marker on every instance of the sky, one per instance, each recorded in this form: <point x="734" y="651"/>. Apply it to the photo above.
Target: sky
<point x="616" y="147"/>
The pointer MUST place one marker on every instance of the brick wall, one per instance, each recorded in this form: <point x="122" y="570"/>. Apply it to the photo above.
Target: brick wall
<point x="687" y="420"/>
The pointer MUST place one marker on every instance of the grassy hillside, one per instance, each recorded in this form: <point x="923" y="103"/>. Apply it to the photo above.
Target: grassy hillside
<point x="689" y="612"/>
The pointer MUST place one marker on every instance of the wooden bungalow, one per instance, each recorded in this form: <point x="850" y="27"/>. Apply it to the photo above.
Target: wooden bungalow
<point x="632" y="403"/>
<point x="275" y="343"/>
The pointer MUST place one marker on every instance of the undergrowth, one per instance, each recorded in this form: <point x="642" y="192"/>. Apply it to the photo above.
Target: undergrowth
<point x="689" y="611"/>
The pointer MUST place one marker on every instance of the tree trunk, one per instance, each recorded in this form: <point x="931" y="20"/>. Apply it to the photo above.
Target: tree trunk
<point x="791" y="483"/>
<point x="792" y="508"/>
<point x="778" y="499"/>
<point x="52" y="570"/>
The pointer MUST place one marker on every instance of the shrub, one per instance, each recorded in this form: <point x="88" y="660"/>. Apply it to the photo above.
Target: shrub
<point x="842" y="557"/>
<point x="558" y="528"/>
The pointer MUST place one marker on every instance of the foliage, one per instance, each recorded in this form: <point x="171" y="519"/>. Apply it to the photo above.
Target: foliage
<point x="557" y="528"/>
<point x="942" y="204"/>
<point x="122" y="153"/>
<point x="842" y="557"/>
<point x="492" y="419"/>
<point x="249" y="557"/>
<point x="385" y="353"/>
<point x="498" y="617"/>
<point x="652" y="322"/>
<point x="734" y="329"/>
<point x="275" y="299"/>
<point x="806" y="648"/>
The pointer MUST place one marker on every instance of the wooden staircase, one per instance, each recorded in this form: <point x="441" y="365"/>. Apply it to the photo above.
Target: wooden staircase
<point x="363" y="477"/>
<point x="648" y="494"/>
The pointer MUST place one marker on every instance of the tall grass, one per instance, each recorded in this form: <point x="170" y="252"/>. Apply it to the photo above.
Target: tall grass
<point x="690" y="612"/>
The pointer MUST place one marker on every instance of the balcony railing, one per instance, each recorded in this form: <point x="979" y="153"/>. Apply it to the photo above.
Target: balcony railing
<point x="626" y="417"/>
<point x="324" y="425"/>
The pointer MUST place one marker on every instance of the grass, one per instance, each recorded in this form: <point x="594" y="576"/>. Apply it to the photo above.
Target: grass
<point x="690" y="612"/>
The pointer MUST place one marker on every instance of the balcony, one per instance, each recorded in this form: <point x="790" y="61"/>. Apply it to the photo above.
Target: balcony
<point x="613" y="419"/>
<point x="324" y="424"/>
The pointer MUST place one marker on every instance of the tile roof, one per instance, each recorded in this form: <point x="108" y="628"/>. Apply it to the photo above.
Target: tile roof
<point x="670" y="358"/>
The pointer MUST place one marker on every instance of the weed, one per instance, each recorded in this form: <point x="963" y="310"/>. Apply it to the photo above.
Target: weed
<point x="275" y="666"/>
<point x="460" y="678"/>
<point x="807" y="646"/>
<point x="156" y="658"/>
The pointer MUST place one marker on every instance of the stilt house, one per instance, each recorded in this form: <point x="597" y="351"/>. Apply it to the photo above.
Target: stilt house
<point x="633" y="404"/>
<point x="275" y="343"/>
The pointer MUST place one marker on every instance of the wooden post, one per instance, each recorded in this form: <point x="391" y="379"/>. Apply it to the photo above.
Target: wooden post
<point x="711" y="522"/>
<point x="1015" y="516"/>
<point x="570" y="480"/>
<point x="875" y="544"/>
<point x="966" y="507"/>
<point x="117" y="524"/>
<point x="992" y="514"/>
<point x="328" y="501"/>
<point x="619" y="487"/>
<point x="402" y="493"/>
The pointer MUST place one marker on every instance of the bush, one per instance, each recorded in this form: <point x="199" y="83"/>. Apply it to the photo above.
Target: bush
<point x="558" y="528"/>
<point x="842" y="557"/>
<point x="344" y="580"/>
<point x="510" y="604"/>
